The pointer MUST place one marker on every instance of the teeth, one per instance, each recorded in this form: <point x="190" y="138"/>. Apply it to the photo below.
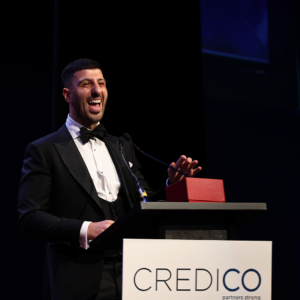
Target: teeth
<point x="95" y="101"/>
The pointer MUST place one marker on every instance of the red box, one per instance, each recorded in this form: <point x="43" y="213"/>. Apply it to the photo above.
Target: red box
<point x="196" y="190"/>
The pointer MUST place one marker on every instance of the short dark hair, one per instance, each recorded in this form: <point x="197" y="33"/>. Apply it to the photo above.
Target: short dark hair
<point x="78" y="65"/>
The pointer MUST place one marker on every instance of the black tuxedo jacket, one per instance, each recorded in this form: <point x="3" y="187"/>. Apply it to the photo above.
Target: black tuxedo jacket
<point x="56" y="196"/>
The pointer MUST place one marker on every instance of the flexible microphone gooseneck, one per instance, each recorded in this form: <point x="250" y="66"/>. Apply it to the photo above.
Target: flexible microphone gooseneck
<point x="129" y="139"/>
<point x="143" y="194"/>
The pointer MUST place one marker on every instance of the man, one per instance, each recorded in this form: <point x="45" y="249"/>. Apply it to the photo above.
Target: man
<point x="75" y="184"/>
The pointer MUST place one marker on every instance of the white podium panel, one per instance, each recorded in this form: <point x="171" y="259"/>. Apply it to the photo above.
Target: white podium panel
<point x="189" y="269"/>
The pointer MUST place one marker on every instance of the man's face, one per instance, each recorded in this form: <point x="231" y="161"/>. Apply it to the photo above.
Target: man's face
<point x="86" y="94"/>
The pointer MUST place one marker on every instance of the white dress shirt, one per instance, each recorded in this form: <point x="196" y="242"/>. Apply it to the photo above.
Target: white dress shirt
<point x="100" y="167"/>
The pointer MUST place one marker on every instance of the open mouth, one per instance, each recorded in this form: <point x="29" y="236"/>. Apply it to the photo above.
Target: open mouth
<point x="95" y="106"/>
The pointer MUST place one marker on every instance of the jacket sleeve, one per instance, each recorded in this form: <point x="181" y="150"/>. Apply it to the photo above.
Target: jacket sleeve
<point x="34" y="203"/>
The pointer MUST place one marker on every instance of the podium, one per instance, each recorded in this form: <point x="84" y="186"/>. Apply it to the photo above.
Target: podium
<point x="179" y="220"/>
<point x="175" y="250"/>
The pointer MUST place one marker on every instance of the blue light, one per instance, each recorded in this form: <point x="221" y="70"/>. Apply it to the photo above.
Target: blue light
<point x="237" y="29"/>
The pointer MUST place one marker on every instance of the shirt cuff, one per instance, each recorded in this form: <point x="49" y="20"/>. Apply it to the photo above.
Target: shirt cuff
<point x="168" y="182"/>
<point x="84" y="242"/>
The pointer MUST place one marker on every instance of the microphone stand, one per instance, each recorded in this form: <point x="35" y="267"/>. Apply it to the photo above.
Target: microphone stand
<point x="129" y="139"/>
<point x="143" y="194"/>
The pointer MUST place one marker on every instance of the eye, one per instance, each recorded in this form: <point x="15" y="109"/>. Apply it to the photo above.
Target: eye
<point x="85" y="83"/>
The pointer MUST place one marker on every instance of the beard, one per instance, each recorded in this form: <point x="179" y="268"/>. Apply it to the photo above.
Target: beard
<point x="82" y="114"/>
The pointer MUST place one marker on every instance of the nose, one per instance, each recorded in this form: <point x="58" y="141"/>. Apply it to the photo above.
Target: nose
<point x="96" y="91"/>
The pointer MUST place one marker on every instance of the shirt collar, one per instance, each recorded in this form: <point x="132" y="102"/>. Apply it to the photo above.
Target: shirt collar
<point x="74" y="127"/>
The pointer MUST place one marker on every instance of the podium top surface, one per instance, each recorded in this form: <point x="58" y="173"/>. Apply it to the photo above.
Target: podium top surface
<point x="201" y="206"/>
<point x="171" y="213"/>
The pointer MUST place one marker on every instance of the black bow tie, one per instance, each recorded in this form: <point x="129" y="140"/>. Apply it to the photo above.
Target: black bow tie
<point x="98" y="132"/>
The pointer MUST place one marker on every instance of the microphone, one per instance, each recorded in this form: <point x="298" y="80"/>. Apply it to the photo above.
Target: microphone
<point x="143" y="194"/>
<point x="129" y="139"/>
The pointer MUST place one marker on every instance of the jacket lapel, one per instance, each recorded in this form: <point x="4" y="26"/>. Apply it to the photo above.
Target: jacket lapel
<point x="124" y="173"/>
<point x="74" y="162"/>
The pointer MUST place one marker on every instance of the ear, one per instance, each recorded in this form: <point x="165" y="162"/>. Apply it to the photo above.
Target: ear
<point x="66" y="93"/>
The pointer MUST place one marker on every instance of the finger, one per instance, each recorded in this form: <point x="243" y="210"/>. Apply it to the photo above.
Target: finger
<point x="193" y="164"/>
<point x="172" y="164"/>
<point x="196" y="171"/>
<point x="106" y="221"/>
<point x="186" y="165"/>
<point x="189" y="160"/>
<point x="108" y="224"/>
<point x="181" y="161"/>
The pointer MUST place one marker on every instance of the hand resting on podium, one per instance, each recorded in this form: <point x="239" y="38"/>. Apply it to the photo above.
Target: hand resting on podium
<point x="96" y="228"/>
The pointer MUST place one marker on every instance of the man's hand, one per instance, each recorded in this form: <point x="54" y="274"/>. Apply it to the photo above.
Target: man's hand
<point x="96" y="228"/>
<point x="184" y="164"/>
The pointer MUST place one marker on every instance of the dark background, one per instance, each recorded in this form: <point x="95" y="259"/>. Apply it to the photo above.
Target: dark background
<point x="242" y="127"/>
